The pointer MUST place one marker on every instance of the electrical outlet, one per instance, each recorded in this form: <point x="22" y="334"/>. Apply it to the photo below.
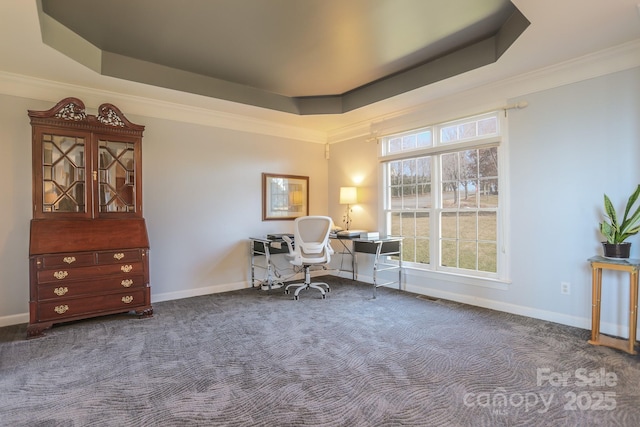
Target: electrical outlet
<point x="565" y="288"/>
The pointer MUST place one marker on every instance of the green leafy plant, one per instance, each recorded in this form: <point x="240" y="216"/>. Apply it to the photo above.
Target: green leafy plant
<point x="615" y="231"/>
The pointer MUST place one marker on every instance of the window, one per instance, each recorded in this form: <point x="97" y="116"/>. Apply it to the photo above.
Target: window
<point x="442" y="195"/>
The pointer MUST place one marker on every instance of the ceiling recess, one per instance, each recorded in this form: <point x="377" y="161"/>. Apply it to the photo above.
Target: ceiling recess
<point x="301" y="57"/>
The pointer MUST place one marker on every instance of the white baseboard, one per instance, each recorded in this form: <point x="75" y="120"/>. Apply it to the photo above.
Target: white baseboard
<point x="17" y="319"/>
<point x="502" y="306"/>
<point x="564" y="319"/>
<point x="14" y="319"/>
<point x="550" y="316"/>
<point x="225" y="287"/>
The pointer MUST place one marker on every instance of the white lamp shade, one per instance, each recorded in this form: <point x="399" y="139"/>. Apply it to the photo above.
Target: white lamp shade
<point x="348" y="195"/>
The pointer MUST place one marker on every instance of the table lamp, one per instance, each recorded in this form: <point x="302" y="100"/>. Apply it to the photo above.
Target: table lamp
<point x="348" y="196"/>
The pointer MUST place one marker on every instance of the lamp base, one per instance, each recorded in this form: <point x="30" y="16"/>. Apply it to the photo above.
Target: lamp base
<point x="346" y="220"/>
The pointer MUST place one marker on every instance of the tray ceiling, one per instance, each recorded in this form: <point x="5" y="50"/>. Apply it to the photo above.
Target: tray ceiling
<point x="302" y="57"/>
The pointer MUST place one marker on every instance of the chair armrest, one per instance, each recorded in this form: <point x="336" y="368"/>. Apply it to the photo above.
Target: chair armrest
<point x="330" y="249"/>
<point x="289" y="242"/>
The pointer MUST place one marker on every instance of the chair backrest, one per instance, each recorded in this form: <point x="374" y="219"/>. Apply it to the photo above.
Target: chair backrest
<point x="311" y="238"/>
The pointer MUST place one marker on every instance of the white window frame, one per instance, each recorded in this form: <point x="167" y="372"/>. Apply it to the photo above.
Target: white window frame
<point x="501" y="277"/>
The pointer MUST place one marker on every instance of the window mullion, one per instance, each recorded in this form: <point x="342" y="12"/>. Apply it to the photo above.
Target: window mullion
<point x="436" y="209"/>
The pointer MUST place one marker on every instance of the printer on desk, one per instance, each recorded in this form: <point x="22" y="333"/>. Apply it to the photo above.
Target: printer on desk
<point x="279" y="236"/>
<point x="276" y="241"/>
<point x="350" y="233"/>
<point x="362" y="234"/>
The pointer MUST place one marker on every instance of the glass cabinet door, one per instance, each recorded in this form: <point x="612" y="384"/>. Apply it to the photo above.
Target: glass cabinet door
<point x="116" y="176"/>
<point x="85" y="166"/>
<point x="63" y="173"/>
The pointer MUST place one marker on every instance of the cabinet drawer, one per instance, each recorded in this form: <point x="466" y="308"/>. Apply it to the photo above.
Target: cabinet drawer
<point x="65" y="260"/>
<point x="114" y="257"/>
<point x="63" y="275"/>
<point x="63" y="308"/>
<point x="73" y="289"/>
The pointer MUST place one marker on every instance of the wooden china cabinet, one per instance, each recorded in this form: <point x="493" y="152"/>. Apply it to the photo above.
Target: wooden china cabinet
<point x="88" y="249"/>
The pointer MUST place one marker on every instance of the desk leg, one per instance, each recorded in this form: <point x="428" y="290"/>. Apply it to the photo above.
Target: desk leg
<point x="270" y="281"/>
<point x="354" y="264"/>
<point x="253" y="273"/>
<point x="596" y="289"/>
<point x="633" y="309"/>
<point x="346" y="251"/>
<point x="375" y="270"/>
<point x="267" y="258"/>
<point x="400" y="265"/>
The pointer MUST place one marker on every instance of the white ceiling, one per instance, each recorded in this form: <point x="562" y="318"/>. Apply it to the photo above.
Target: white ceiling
<point x="560" y="30"/>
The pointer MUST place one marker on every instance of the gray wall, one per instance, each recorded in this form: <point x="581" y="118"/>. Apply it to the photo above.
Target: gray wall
<point x="569" y="146"/>
<point x="202" y="200"/>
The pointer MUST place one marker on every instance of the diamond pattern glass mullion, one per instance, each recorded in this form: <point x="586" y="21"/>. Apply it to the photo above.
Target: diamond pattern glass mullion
<point x="63" y="173"/>
<point x="116" y="176"/>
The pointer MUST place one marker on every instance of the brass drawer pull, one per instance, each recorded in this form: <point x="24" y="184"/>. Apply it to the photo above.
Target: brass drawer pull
<point x="61" y="291"/>
<point x="61" y="309"/>
<point x="126" y="268"/>
<point x="127" y="283"/>
<point x="69" y="259"/>
<point x="127" y="299"/>
<point x="118" y="256"/>
<point x="60" y="274"/>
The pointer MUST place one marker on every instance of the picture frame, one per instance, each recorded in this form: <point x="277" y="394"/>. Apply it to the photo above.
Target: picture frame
<point x="284" y="197"/>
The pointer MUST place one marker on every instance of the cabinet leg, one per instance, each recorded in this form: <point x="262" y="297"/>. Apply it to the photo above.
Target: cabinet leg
<point x="37" y="330"/>
<point x="147" y="312"/>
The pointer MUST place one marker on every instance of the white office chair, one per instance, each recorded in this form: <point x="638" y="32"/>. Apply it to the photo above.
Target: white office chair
<point x="310" y="248"/>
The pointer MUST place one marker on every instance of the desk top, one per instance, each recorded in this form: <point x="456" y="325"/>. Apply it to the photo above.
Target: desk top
<point x="615" y="261"/>
<point x="381" y="239"/>
<point x="263" y="239"/>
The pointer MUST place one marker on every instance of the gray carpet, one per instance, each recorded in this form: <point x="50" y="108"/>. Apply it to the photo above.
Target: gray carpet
<point x="254" y="357"/>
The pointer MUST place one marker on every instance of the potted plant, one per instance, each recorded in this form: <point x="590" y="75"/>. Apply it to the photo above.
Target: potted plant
<point x="615" y="231"/>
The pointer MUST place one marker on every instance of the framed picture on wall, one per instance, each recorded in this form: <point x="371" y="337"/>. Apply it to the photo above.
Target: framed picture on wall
<point x="284" y="197"/>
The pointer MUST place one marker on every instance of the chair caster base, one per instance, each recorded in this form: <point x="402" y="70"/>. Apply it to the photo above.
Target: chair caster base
<point x="304" y="286"/>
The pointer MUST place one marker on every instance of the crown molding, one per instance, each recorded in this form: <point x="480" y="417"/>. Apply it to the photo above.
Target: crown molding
<point x="46" y="90"/>
<point x="603" y="62"/>
<point x="453" y="104"/>
<point x="494" y="94"/>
